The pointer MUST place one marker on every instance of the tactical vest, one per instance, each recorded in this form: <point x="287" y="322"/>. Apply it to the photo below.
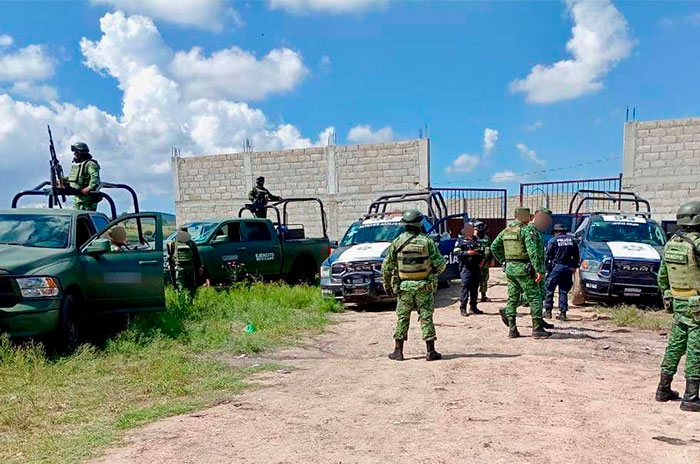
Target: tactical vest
<point x="76" y="172"/>
<point x="414" y="261"/>
<point x="183" y="255"/>
<point x="682" y="265"/>
<point x="514" y="243"/>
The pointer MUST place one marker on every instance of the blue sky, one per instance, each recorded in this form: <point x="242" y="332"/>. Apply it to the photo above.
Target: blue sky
<point x="281" y="72"/>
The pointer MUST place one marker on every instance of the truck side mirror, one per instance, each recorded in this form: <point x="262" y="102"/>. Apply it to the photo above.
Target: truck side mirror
<point x="220" y="239"/>
<point x="99" y="246"/>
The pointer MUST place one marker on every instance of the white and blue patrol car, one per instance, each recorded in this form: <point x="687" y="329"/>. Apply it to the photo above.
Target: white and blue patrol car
<point x="620" y="257"/>
<point x="352" y="273"/>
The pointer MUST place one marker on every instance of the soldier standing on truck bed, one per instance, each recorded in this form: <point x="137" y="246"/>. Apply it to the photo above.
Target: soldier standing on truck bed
<point x="260" y="196"/>
<point x="84" y="176"/>
<point x="679" y="280"/>
<point x="410" y="270"/>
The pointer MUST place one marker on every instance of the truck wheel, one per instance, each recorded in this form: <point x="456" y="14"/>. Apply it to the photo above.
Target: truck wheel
<point x="578" y="295"/>
<point x="67" y="336"/>
<point x="303" y="272"/>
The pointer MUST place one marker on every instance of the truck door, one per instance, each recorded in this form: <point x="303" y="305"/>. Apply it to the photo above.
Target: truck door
<point x="264" y="254"/>
<point x="125" y="276"/>
<point x="228" y="247"/>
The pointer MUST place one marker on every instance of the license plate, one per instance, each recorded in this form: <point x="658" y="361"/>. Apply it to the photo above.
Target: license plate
<point x="632" y="291"/>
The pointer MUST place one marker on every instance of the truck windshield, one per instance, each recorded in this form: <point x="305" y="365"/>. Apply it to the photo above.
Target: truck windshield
<point x="35" y="230"/>
<point x="604" y="231"/>
<point x="371" y="233"/>
<point x="198" y="230"/>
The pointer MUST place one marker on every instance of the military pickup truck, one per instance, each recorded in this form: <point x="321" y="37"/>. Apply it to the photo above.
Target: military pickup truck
<point x="271" y="250"/>
<point x="57" y="268"/>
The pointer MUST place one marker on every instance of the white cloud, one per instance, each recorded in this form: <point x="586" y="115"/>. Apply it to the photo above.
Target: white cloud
<point x="325" y="64"/>
<point x="692" y="19"/>
<point x="33" y="92"/>
<point x="528" y="154"/>
<point x="364" y="134"/>
<point x="505" y="176"/>
<point x="6" y="40"/>
<point x="533" y="127"/>
<point x="205" y="14"/>
<point x="490" y="138"/>
<point x="600" y="39"/>
<point x="30" y="63"/>
<point x="157" y="113"/>
<point x="464" y="163"/>
<point x="326" y="6"/>
<point x="236" y="73"/>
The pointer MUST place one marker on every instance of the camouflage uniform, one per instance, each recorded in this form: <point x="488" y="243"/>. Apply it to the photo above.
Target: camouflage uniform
<point x="685" y="331"/>
<point x="83" y="174"/>
<point x="413" y="294"/>
<point x="260" y="196"/>
<point x="186" y="262"/>
<point x="534" y="231"/>
<point x="520" y="281"/>
<point x="485" y="264"/>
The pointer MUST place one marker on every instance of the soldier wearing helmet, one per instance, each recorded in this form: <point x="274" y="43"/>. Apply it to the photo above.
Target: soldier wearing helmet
<point x="184" y="262"/>
<point x="260" y="196"/>
<point x="679" y="279"/>
<point x="562" y="259"/>
<point x="410" y="270"/>
<point x="84" y="177"/>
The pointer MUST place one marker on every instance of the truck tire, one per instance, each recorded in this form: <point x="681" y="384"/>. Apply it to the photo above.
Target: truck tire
<point x="303" y="272"/>
<point x="578" y="294"/>
<point x="67" y="335"/>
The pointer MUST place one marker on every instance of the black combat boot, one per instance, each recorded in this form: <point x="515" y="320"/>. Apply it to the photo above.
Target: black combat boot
<point x="538" y="330"/>
<point x="547" y="325"/>
<point x="691" y="402"/>
<point x="475" y="310"/>
<point x="663" y="391"/>
<point x="484" y="298"/>
<point x="547" y="313"/>
<point x="502" y="312"/>
<point x="512" y="328"/>
<point x="431" y="354"/>
<point x="463" y="311"/>
<point x="397" y="355"/>
<point x="562" y="316"/>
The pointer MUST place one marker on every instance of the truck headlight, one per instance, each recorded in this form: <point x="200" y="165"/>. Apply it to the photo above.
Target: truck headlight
<point x="325" y="272"/>
<point x="591" y="265"/>
<point x="38" y="287"/>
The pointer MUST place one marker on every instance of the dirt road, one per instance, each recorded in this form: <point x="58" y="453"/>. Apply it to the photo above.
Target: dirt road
<point x="583" y="396"/>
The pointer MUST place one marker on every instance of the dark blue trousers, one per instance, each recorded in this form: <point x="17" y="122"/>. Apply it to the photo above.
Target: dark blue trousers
<point x="469" y="291"/>
<point x="560" y="276"/>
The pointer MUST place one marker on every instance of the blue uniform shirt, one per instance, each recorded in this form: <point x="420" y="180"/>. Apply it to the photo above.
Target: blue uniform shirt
<point x="562" y="249"/>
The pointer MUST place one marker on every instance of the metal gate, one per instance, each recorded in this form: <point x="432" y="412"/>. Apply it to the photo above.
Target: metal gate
<point x="487" y="205"/>
<point x="557" y="195"/>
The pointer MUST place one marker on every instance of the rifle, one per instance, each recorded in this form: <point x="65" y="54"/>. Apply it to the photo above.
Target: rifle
<point x="170" y="247"/>
<point x="56" y="173"/>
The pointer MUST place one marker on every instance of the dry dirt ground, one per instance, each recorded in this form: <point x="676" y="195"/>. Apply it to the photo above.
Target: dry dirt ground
<point x="583" y="396"/>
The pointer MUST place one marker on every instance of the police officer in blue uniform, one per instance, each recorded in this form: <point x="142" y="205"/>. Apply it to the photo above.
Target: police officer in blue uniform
<point x="470" y="253"/>
<point x="562" y="258"/>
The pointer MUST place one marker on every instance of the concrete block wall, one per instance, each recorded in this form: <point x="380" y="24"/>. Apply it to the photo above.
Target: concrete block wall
<point x="346" y="178"/>
<point x="661" y="162"/>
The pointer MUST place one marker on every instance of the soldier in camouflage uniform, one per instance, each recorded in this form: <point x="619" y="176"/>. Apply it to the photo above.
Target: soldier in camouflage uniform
<point x="260" y="196"/>
<point x="519" y="247"/>
<point x="679" y="279"/>
<point x="84" y="176"/>
<point x="410" y="271"/>
<point x="486" y="262"/>
<point x="539" y="223"/>
<point x="185" y="261"/>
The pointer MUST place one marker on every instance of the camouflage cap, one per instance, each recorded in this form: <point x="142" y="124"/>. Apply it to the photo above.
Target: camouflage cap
<point x="522" y="210"/>
<point x="545" y="210"/>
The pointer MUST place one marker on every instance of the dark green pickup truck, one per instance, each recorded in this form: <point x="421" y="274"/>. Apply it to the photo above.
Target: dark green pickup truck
<point x="57" y="267"/>
<point x="268" y="249"/>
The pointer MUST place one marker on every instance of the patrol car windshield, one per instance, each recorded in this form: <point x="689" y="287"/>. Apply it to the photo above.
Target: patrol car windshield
<point x="372" y="233"/>
<point x="198" y="230"/>
<point x="35" y="230"/>
<point x="614" y="231"/>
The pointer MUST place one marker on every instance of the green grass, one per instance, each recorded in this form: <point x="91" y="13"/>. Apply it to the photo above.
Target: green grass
<point x="632" y="316"/>
<point x="67" y="409"/>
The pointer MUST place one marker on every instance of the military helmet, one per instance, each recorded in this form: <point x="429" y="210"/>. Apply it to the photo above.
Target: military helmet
<point x="80" y="147"/>
<point x="559" y="228"/>
<point x="260" y="179"/>
<point x="689" y="214"/>
<point x="411" y="217"/>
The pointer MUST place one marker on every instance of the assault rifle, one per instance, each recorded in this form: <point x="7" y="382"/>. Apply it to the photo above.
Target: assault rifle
<point x="56" y="173"/>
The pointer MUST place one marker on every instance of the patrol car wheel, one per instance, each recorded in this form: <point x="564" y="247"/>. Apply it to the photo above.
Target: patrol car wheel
<point x="578" y="295"/>
<point x="67" y="336"/>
